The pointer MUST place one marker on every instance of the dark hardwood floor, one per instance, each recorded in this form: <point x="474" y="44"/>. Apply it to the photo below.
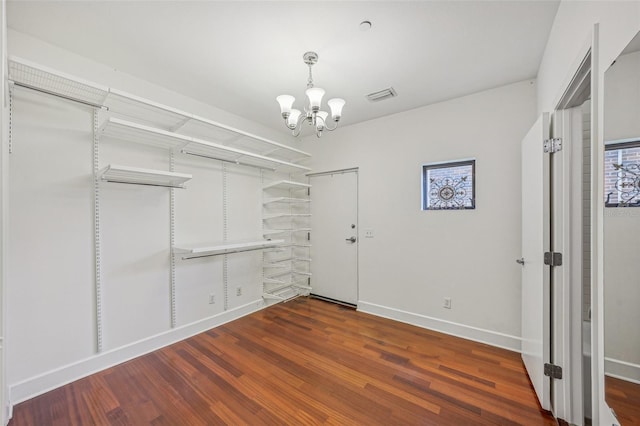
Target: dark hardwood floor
<point x="624" y="398"/>
<point x="302" y="362"/>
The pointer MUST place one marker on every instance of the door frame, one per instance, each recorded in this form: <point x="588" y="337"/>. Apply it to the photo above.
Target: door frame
<point x="566" y="325"/>
<point x="355" y="170"/>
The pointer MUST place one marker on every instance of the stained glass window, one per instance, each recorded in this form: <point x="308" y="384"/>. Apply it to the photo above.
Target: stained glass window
<point x="449" y="186"/>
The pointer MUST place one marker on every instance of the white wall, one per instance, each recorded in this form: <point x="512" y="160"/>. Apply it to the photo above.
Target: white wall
<point x="622" y="229"/>
<point x="51" y="325"/>
<point x="570" y="35"/>
<point x="419" y="257"/>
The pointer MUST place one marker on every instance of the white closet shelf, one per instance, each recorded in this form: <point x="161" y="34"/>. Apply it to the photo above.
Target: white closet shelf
<point x="191" y="124"/>
<point x="274" y="231"/>
<point x="276" y="288"/>
<point x="287" y="184"/>
<point x="274" y="275"/>
<point x="285" y="215"/>
<point x="140" y="133"/>
<point x="295" y="245"/>
<point x="136" y="132"/>
<point x="44" y="79"/>
<point x="33" y="76"/>
<point x="271" y="282"/>
<point x="283" y="295"/>
<point x="139" y="176"/>
<point x="224" y="248"/>
<point x="290" y="200"/>
<point x="276" y="265"/>
<point x="286" y="292"/>
<point x="202" y="148"/>
<point x="279" y="285"/>
<point x="282" y="231"/>
<point x="289" y="259"/>
<point x="287" y="272"/>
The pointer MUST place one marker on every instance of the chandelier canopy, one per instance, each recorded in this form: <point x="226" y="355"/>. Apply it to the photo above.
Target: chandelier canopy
<point x="293" y="118"/>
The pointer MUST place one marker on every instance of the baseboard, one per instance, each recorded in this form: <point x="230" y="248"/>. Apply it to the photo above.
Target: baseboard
<point x="489" y="337"/>
<point x="50" y="380"/>
<point x="622" y="370"/>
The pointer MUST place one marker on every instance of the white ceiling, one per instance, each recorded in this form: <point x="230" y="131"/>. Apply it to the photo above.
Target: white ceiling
<point x="240" y="55"/>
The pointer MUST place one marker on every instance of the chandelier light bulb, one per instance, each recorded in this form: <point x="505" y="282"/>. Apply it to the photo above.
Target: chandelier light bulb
<point x="292" y="120"/>
<point x="315" y="95"/>
<point x="286" y="102"/>
<point x="321" y="119"/>
<point x="336" y="105"/>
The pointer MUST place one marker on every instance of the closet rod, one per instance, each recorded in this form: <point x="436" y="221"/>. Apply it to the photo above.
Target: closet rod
<point x="196" y="256"/>
<point x="69" y="98"/>
<point x="143" y="184"/>
<point x="333" y="172"/>
<point x="184" y="151"/>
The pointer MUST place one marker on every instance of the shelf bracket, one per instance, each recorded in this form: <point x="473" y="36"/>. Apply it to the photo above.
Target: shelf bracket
<point x="11" y="119"/>
<point x="225" y="265"/>
<point x="96" y="228"/>
<point x="172" y="238"/>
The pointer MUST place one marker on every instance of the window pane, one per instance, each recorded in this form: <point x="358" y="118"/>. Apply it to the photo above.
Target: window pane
<point x="449" y="186"/>
<point x="622" y="177"/>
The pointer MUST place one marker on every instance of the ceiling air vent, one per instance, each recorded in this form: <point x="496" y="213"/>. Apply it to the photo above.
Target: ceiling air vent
<point x="382" y="95"/>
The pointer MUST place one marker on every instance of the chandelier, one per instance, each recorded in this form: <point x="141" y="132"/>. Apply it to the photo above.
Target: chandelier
<point x="293" y="118"/>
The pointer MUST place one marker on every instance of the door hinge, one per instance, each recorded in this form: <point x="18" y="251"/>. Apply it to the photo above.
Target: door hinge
<point x="552" y="145"/>
<point x="308" y="236"/>
<point x="553" y="371"/>
<point x="553" y="258"/>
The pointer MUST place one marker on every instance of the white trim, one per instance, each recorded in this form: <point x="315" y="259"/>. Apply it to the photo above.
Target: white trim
<point x="490" y="337"/>
<point x="45" y="382"/>
<point x="440" y="163"/>
<point x="622" y="370"/>
<point x="617" y="141"/>
<point x="333" y="172"/>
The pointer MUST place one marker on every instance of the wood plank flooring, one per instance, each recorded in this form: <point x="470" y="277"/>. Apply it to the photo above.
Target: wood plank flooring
<point x="624" y="398"/>
<point x="304" y="362"/>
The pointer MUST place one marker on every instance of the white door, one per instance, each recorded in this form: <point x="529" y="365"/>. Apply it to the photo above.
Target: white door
<point x="535" y="275"/>
<point x="334" y="236"/>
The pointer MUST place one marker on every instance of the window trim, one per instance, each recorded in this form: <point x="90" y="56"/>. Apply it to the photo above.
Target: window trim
<point x="622" y="144"/>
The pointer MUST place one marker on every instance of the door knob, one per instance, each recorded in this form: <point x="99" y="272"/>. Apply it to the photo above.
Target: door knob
<point x="351" y="240"/>
<point x="520" y="261"/>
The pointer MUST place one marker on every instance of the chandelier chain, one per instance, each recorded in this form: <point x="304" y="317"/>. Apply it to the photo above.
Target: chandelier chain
<point x="310" y="81"/>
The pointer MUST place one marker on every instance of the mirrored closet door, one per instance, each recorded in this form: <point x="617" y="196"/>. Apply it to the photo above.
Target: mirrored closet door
<point x="622" y="234"/>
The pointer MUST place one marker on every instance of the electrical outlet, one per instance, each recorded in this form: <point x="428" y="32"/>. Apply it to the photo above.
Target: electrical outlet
<point x="238" y="291"/>
<point x="212" y="299"/>
<point x="368" y="233"/>
<point x="447" y="303"/>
